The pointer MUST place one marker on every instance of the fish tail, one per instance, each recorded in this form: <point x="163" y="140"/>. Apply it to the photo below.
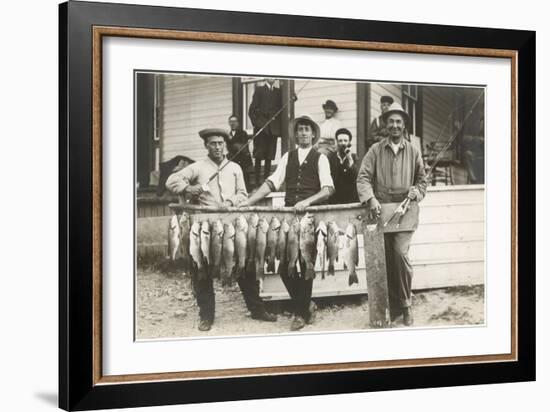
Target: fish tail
<point x="259" y="270"/>
<point x="353" y="278"/>
<point x="310" y="273"/>
<point x="271" y="265"/>
<point x="331" y="268"/>
<point x="250" y="265"/>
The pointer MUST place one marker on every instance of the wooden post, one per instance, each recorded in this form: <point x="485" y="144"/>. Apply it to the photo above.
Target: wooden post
<point x="377" y="281"/>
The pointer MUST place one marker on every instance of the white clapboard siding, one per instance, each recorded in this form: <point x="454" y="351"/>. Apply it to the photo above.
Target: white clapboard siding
<point x="317" y="92"/>
<point x="192" y="103"/>
<point x="438" y="103"/>
<point x="378" y="90"/>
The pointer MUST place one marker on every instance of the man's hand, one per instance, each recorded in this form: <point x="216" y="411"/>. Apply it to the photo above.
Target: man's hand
<point x="194" y="191"/>
<point x="374" y="208"/>
<point x="414" y="193"/>
<point x="301" y="206"/>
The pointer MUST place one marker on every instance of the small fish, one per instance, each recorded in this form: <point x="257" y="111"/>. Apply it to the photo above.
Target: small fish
<point x="216" y="235"/>
<point x="280" y="252"/>
<point x="241" y="232"/>
<point x="351" y="253"/>
<point x="251" y="241"/>
<point x="228" y="253"/>
<point x="332" y="246"/>
<point x="308" y="248"/>
<point x="293" y="246"/>
<point x="261" y="243"/>
<point x="205" y="242"/>
<point x="185" y="228"/>
<point x="321" y="233"/>
<point x="195" y="249"/>
<point x="271" y="247"/>
<point x="173" y="238"/>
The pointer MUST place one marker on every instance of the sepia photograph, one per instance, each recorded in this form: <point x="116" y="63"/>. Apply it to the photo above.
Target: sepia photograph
<point x="276" y="205"/>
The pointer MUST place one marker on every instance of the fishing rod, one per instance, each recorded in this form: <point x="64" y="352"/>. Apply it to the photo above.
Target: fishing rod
<point x="402" y="208"/>
<point x="292" y="98"/>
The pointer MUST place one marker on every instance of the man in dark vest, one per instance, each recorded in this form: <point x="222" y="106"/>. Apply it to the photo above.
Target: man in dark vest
<point x="345" y="166"/>
<point x="306" y="174"/>
<point x="266" y="101"/>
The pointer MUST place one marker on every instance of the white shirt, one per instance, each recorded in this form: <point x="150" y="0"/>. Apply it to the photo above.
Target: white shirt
<point x="279" y="176"/>
<point x="329" y="128"/>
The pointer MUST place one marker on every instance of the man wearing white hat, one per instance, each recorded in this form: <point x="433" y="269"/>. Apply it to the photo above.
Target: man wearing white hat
<point x="306" y="174"/>
<point x="391" y="171"/>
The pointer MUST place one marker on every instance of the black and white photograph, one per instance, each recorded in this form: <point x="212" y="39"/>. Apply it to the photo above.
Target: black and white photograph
<point x="270" y="204"/>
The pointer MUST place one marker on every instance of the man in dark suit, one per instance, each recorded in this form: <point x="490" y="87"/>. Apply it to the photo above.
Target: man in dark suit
<point x="236" y="140"/>
<point x="345" y="166"/>
<point x="266" y="101"/>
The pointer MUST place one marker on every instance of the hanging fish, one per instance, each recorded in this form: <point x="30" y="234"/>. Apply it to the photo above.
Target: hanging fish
<point x="280" y="252"/>
<point x="185" y="228"/>
<point x="251" y="242"/>
<point x="216" y="235"/>
<point x="241" y="232"/>
<point x="351" y="253"/>
<point x="173" y="238"/>
<point x="228" y="253"/>
<point x="293" y="246"/>
<point x="261" y="243"/>
<point x="195" y="249"/>
<point x="271" y="247"/>
<point x="205" y="242"/>
<point x="321" y="233"/>
<point x="308" y="248"/>
<point x="332" y="246"/>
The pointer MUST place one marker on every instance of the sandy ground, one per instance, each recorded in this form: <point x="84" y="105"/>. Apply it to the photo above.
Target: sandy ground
<point x="166" y="308"/>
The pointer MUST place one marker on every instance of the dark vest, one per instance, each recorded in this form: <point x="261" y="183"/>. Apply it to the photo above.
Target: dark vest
<point x="302" y="181"/>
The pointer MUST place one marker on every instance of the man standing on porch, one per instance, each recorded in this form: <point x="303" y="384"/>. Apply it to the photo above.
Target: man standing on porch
<point x="306" y="173"/>
<point x="377" y="130"/>
<point x="391" y="171"/>
<point x="226" y="189"/>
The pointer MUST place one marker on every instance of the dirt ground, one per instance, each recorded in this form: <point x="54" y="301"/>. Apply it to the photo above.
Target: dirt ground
<point x="166" y="308"/>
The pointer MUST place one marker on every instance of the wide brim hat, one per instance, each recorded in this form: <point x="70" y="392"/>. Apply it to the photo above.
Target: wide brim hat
<point x="329" y="104"/>
<point x="206" y="133"/>
<point x="314" y="126"/>
<point x="396" y="108"/>
<point x="386" y="99"/>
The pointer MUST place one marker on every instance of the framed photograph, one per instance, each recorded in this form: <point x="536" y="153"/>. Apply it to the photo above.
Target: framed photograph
<point x="256" y="206"/>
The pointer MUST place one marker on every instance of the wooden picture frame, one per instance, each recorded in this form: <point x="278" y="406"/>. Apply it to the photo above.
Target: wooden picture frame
<point x="82" y="385"/>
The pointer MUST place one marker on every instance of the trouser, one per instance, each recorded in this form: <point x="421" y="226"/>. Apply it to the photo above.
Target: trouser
<point x="203" y="290"/>
<point x="299" y="291"/>
<point x="399" y="269"/>
<point x="258" y="169"/>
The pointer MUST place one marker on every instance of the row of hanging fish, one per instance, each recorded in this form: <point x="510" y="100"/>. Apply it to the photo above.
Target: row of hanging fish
<point x="256" y="244"/>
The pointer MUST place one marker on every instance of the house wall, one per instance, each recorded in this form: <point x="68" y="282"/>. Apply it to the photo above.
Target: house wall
<point x="190" y="104"/>
<point x="316" y="92"/>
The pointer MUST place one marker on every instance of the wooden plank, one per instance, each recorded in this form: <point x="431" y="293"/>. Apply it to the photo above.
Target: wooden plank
<point x="377" y="282"/>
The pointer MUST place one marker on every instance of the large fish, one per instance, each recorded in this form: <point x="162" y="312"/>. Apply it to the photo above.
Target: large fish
<point x="251" y="241"/>
<point x="205" y="242"/>
<point x="241" y="232"/>
<point x="271" y="247"/>
<point x="351" y="253"/>
<point x="185" y="228"/>
<point x="293" y="246"/>
<point x="332" y="246"/>
<point x="280" y="252"/>
<point x="195" y="249"/>
<point x="308" y="249"/>
<point x="228" y="253"/>
<point x="216" y="237"/>
<point x="261" y="243"/>
<point x="173" y="238"/>
<point x="321" y="233"/>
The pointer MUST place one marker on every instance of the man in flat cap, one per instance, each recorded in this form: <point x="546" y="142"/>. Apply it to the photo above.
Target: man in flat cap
<point x="266" y="102"/>
<point x="306" y="174"/>
<point x="377" y="130"/>
<point x="226" y="189"/>
<point x="391" y="171"/>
